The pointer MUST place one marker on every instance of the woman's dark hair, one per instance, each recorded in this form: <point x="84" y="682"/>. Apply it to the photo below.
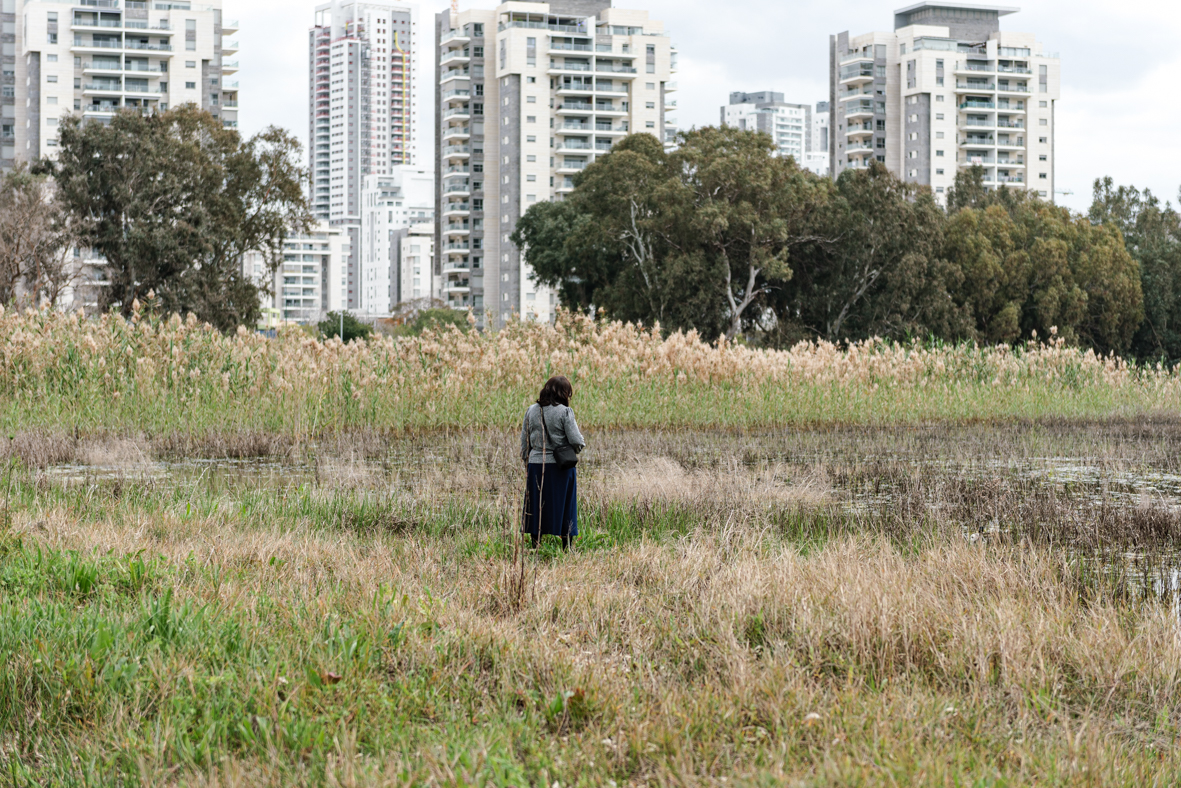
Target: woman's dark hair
<point x="556" y="391"/>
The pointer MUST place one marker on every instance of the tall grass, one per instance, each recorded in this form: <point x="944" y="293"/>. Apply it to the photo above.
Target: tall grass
<point x="174" y="376"/>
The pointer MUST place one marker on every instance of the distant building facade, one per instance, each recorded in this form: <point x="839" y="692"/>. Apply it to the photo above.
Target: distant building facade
<point x="946" y="90"/>
<point x="311" y="280"/>
<point x="392" y="203"/>
<point x="791" y="126"/>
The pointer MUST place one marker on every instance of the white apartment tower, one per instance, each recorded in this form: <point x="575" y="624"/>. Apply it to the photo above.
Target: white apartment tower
<point x="97" y="57"/>
<point x="792" y="127"/>
<point x="362" y="108"/>
<point x="391" y="204"/>
<point x="948" y="89"/>
<point x="528" y="95"/>
<point x="309" y="282"/>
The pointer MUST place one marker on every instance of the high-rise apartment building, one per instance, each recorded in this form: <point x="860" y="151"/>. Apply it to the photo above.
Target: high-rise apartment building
<point x="948" y="89"/>
<point x="362" y="109"/>
<point x="415" y="252"/>
<point x="310" y="282"/>
<point x="391" y="203"/>
<point x="788" y="125"/>
<point x="97" y="57"/>
<point x="527" y="95"/>
<point x="816" y="157"/>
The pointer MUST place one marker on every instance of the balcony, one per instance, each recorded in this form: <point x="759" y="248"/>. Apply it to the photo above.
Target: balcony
<point x="457" y="113"/>
<point x="968" y="67"/>
<point x="456" y="56"/>
<point x="626" y="71"/>
<point x="1010" y="179"/>
<point x="1013" y="70"/>
<point x="602" y="108"/>
<point x="229" y="26"/>
<point x="859" y="129"/>
<point x="983" y="161"/>
<point x="457" y="35"/>
<point x="456" y="152"/>
<point x="857" y="109"/>
<point x="456" y="267"/>
<point x="150" y="47"/>
<point x="457" y="188"/>
<point x="457" y="133"/>
<point x="857" y="73"/>
<point x="457" y="286"/>
<point x="457" y="230"/>
<point x="859" y="149"/>
<point x="570" y="145"/>
<point x="457" y="248"/>
<point x="456" y="95"/>
<point x="97" y="45"/>
<point x="976" y="140"/>
<point x="455" y="73"/>
<point x="91" y="24"/>
<point x="572" y="166"/>
<point x="565" y="46"/>
<point x="1011" y="163"/>
<point x="554" y="66"/>
<point x="229" y="47"/>
<point x="969" y="87"/>
<point x="583" y="88"/>
<point x="613" y="131"/>
<point x="1010" y="124"/>
<point x="970" y="105"/>
<point x="102" y="87"/>
<point x="575" y="107"/>
<point x="456" y="208"/>
<point x="229" y="66"/>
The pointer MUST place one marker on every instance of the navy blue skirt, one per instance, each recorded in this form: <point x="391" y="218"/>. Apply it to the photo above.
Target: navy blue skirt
<point x="554" y="506"/>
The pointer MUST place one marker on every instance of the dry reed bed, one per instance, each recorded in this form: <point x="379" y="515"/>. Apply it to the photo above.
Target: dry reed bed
<point x="176" y="376"/>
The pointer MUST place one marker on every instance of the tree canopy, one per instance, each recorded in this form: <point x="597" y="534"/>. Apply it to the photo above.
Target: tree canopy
<point x="722" y="236"/>
<point x="173" y="200"/>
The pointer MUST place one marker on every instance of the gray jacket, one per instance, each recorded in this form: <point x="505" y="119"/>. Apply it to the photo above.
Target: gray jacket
<point x="563" y="431"/>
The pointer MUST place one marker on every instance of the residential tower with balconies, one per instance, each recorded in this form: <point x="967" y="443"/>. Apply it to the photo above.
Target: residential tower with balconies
<point x="527" y="96"/>
<point x="947" y="90"/>
<point x="98" y="57"/>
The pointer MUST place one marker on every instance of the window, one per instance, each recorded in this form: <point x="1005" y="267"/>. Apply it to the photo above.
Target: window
<point x="651" y="59"/>
<point x="1042" y="140"/>
<point x="531" y="138"/>
<point x="939" y="135"/>
<point x="939" y="190"/>
<point x="531" y="178"/>
<point x="531" y="99"/>
<point x="881" y="142"/>
<point x="52" y="38"/>
<point x="938" y="172"/>
<point x="650" y="85"/>
<point x="51" y="77"/>
<point x="190" y="64"/>
<point x="477" y="51"/>
<point x="51" y="99"/>
<point x="531" y="51"/>
<point x="939" y="98"/>
<point x="51" y="121"/>
<point x="914" y="154"/>
<point x="939" y="116"/>
<point x="1042" y="104"/>
<point x="530" y="158"/>
<point x="1042" y="176"/>
<point x="880" y="158"/>
<point x="190" y="86"/>
<point x="650" y="105"/>
<point x="1043" y="122"/>
<point x="478" y="29"/>
<point x="51" y="58"/>
<point x="1041" y="157"/>
<point x="914" y="135"/>
<point x="530" y="118"/>
<point x="938" y="153"/>
<point x="939" y="82"/>
<point x="650" y="125"/>
<point x="1041" y="194"/>
<point x="913" y="118"/>
<point x="1043" y="76"/>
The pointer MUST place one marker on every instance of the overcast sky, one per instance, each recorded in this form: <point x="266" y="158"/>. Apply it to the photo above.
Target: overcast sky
<point x="1111" y="121"/>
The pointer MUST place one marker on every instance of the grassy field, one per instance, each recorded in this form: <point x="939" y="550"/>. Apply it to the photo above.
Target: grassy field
<point x="932" y="604"/>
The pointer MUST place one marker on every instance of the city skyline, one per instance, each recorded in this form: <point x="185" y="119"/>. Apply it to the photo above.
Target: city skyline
<point x="1104" y="99"/>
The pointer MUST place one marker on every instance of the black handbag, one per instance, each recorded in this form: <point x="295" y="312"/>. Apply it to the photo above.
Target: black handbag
<point x="564" y="456"/>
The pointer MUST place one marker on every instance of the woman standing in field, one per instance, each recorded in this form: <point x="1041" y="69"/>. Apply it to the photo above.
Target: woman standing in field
<point x="550" y="443"/>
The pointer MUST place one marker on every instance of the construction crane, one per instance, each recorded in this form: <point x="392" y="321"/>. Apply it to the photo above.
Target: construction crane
<point x="455" y="6"/>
